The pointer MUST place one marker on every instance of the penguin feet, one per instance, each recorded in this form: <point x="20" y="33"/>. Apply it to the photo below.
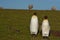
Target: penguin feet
<point x="33" y="35"/>
<point x="46" y="37"/>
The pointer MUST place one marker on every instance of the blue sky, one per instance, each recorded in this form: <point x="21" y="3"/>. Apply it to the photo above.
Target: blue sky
<point x="23" y="4"/>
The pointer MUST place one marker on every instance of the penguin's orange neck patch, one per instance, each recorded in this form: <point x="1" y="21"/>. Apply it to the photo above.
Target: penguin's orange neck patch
<point x="34" y="16"/>
<point x="45" y="20"/>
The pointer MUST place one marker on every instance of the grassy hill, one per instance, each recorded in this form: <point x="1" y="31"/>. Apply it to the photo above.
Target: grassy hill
<point x="14" y="24"/>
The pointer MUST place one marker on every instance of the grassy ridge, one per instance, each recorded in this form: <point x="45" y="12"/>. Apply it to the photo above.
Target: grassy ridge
<point x="14" y="24"/>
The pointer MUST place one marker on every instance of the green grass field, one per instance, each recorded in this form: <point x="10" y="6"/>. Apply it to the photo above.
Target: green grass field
<point x="14" y="24"/>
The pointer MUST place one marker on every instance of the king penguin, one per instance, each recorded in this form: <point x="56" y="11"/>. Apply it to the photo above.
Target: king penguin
<point x="34" y="24"/>
<point x="45" y="27"/>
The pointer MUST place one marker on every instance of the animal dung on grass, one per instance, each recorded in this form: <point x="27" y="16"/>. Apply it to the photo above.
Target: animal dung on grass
<point x="55" y="33"/>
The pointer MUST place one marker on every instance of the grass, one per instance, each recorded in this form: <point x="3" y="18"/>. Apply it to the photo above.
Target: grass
<point x="14" y="24"/>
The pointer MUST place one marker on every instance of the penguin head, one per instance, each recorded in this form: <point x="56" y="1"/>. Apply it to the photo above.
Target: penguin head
<point x="34" y="13"/>
<point x="45" y="17"/>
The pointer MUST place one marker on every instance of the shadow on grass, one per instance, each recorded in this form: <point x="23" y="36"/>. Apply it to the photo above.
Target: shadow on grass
<point x="45" y="39"/>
